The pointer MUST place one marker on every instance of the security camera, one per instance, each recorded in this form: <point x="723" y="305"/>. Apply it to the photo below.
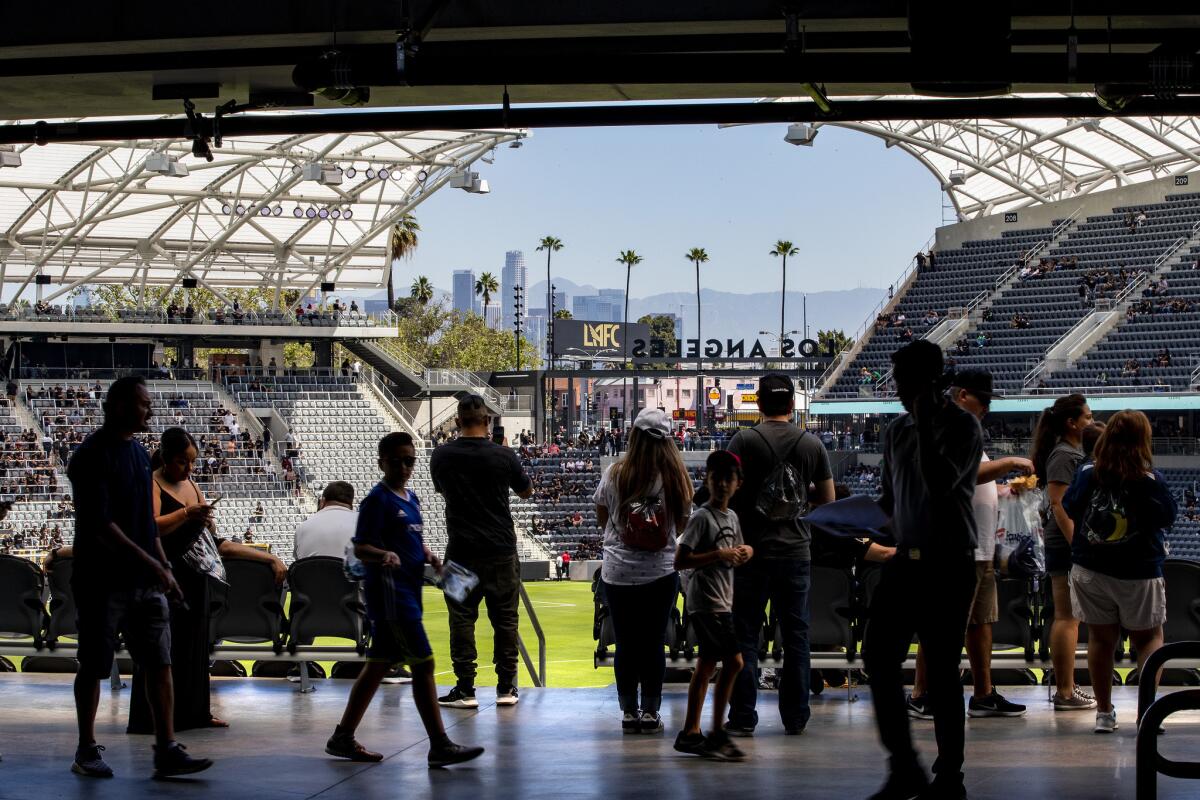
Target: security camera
<point x="801" y="133"/>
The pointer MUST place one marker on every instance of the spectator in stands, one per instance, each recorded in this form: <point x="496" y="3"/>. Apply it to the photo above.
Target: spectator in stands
<point x="248" y="536"/>
<point x="1139" y="221"/>
<point x="711" y="546"/>
<point x="642" y="501"/>
<point x="972" y="391"/>
<point x="931" y="458"/>
<point x="10" y="389"/>
<point x="981" y="340"/>
<point x="780" y="572"/>
<point x="475" y="476"/>
<point x="1121" y="508"/>
<point x="389" y="540"/>
<point x="906" y="335"/>
<point x="121" y="577"/>
<point x="184" y="521"/>
<point x="1057" y="453"/>
<point x="327" y="532"/>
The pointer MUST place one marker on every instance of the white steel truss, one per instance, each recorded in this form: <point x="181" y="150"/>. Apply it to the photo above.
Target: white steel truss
<point x="93" y="213"/>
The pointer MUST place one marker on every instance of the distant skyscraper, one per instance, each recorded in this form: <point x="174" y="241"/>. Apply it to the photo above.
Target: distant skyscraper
<point x="511" y="276"/>
<point x="560" y="301"/>
<point x="607" y="306"/>
<point x="492" y="315"/>
<point x="463" y="292"/>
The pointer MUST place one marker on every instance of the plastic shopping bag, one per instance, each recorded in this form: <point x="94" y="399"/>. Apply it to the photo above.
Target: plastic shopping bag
<point x="456" y="581"/>
<point x="1020" y="549"/>
<point x="203" y="557"/>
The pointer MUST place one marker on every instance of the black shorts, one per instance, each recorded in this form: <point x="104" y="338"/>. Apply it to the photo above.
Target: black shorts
<point x="1058" y="559"/>
<point x="714" y="635"/>
<point x="399" y="642"/>
<point x="140" y="616"/>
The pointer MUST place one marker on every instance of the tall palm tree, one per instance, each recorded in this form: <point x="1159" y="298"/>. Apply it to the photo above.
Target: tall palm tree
<point x="551" y="244"/>
<point x="630" y="259"/>
<point x="698" y="256"/>
<point x="486" y="285"/>
<point x="401" y="245"/>
<point x="421" y="290"/>
<point x="783" y="248"/>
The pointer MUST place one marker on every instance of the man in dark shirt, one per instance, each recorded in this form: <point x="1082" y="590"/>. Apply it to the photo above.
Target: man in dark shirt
<point x="475" y="476"/>
<point x="781" y="567"/>
<point x="122" y="578"/>
<point x="930" y="463"/>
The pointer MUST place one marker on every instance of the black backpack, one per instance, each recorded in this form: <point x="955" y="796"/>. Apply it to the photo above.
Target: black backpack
<point x="784" y="492"/>
<point x="1109" y="519"/>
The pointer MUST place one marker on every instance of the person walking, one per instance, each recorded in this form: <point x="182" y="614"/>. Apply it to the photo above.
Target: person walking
<point x="1121" y="508"/>
<point x="972" y="391"/>
<point x="711" y="546"/>
<point x="122" y="579"/>
<point x="475" y="476"/>
<point x="1057" y="454"/>
<point x="930" y="466"/>
<point x="183" y="516"/>
<point x="389" y="541"/>
<point x="642" y="501"/>
<point x="781" y="569"/>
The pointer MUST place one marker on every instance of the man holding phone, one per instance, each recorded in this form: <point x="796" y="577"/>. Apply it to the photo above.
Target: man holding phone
<point x="930" y="463"/>
<point x="122" y="578"/>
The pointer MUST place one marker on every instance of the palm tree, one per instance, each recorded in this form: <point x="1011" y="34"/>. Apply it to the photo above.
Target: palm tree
<point x="562" y="313"/>
<point x="421" y="290"/>
<point x="401" y="244"/>
<point x="551" y="244"/>
<point x="698" y="256"/>
<point x="783" y="249"/>
<point x="486" y="285"/>
<point x="629" y="258"/>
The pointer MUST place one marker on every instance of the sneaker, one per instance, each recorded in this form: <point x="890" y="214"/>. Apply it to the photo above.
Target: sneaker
<point x="348" y="747"/>
<point x="398" y="675"/>
<point x="994" y="705"/>
<point x="1106" y="721"/>
<point x="506" y="695"/>
<point x="1078" y="701"/>
<point x="630" y="722"/>
<point x="918" y="707"/>
<point x="650" y="722"/>
<point x="719" y="747"/>
<point x="451" y="753"/>
<point x="459" y="697"/>
<point x="740" y="731"/>
<point x="795" y="731"/>
<point x="293" y="675"/>
<point x="902" y="787"/>
<point x="89" y="762"/>
<point x="690" y="743"/>
<point x="945" y="790"/>
<point x="174" y="760"/>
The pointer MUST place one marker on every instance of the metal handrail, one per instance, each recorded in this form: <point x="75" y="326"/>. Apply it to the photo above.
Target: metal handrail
<point x="538" y="676"/>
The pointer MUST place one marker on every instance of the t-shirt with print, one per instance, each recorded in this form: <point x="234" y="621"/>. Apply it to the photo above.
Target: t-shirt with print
<point x="623" y="565"/>
<point x="986" y="505"/>
<point x="391" y="521"/>
<point x="1061" y="465"/>
<point x="1136" y="517"/>
<point x="776" y="538"/>
<point x="710" y="588"/>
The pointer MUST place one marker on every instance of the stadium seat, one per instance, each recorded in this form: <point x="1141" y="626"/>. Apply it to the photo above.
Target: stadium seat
<point x="1183" y="600"/>
<point x="21" y="609"/>
<point x="62" y="602"/>
<point x="324" y="603"/>
<point x="831" y="610"/>
<point x="250" y="608"/>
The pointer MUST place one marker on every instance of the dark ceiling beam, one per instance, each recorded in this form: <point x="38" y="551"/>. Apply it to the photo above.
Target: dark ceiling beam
<point x="591" y="116"/>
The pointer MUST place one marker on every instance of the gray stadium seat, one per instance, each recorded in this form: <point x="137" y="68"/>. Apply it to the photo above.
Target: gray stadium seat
<point x="250" y="608"/>
<point x="62" y="602"/>
<point x="324" y="603"/>
<point x="21" y="609"/>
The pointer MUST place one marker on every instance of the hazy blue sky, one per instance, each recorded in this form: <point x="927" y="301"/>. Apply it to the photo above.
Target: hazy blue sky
<point x="857" y="210"/>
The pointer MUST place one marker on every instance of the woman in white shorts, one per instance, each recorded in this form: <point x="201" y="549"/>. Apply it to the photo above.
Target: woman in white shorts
<point x="1122" y="509"/>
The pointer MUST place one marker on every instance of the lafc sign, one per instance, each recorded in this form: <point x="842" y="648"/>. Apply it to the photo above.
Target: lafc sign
<point x="591" y="339"/>
<point x="601" y="334"/>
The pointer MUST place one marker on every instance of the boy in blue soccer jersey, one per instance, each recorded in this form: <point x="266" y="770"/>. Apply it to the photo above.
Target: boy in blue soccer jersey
<point x="388" y="542"/>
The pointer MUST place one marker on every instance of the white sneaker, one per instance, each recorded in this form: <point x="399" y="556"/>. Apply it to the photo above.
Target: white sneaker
<point x="1106" y="721"/>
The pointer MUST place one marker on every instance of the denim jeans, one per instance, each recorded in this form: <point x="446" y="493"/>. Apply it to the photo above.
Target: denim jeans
<point x="639" y="618"/>
<point x="785" y="582"/>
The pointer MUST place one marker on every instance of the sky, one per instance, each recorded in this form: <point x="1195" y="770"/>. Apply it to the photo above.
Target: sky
<point x="858" y="211"/>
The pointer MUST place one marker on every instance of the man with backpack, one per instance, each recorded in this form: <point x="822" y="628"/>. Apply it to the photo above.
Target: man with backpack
<point x="780" y="462"/>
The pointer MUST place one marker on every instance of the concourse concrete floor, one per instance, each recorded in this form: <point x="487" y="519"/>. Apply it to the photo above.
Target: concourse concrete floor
<point x="558" y="743"/>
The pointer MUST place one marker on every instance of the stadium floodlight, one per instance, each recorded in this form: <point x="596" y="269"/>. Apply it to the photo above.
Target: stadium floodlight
<point x="957" y="177"/>
<point x="323" y="174"/>
<point x="347" y="214"/>
<point x="310" y="213"/>
<point x="240" y="210"/>
<point x="350" y="172"/>
<point x="163" y="164"/>
<point x="226" y="208"/>
<point x="1091" y="125"/>
<point x="9" y="157"/>
<point x="297" y="212"/>
<point x="383" y="173"/>
<point x="370" y="173"/>
<point x="335" y="213"/>
<point x="801" y="133"/>
<point x="277" y="211"/>
<point x="264" y="211"/>
<point x="422" y="176"/>
<point x="323" y="213"/>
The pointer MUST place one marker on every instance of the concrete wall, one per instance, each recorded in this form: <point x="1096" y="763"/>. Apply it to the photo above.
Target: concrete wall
<point x="1040" y="216"/>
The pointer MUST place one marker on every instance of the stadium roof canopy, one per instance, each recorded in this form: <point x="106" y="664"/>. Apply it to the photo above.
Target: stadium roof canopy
<point x="104" y="212"/>
<point x="991" y="165"/>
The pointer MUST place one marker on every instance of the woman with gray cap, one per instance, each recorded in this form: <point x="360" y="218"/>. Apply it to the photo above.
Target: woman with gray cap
<point x="642" y="502"/>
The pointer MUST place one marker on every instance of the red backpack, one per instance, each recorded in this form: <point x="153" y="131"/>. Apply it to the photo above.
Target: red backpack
<point x="646" y="525"/>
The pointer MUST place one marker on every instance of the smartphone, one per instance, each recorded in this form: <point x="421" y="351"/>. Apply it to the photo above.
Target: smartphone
<point x="215" y="500"/>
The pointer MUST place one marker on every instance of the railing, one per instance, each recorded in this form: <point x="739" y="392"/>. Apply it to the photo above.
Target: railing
<point x="158" y="316"/>
<point x="1151" y="714"/>
<point x="401" y="356"/>
<point x="383" y="394"/>
<point x="516" y="403"/>
<point x="461" y="377"/>
<point x="110" y="373"/>
<point x="538" y="676"/>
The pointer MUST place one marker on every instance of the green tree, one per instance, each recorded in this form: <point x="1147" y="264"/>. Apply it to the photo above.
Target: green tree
<point x="466" y="342"/>
<point x="401" y="245"/>
<point x="562" y="313"/>
<point x="486" y="285"/>
<point x="783" y="249"/>
<point x="111" y="298"/>
<point x="421" y="290"/>
<point x="662" y="333"/>
<point x="840" y="340"/>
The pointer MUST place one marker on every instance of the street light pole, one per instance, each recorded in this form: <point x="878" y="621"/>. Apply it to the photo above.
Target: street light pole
<point x="518" y="303"/>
